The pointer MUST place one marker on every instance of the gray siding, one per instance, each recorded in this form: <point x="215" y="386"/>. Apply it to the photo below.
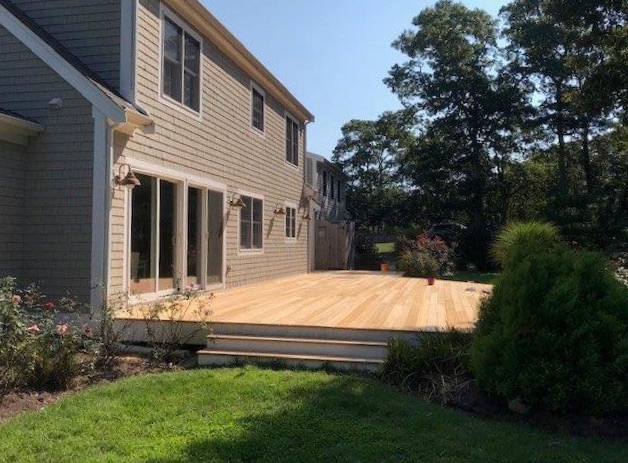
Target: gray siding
<point x="333" y="210"/>
<point x="11" y="209"/>
<point x="90" y="29"/>
<point x="58" y="172"/>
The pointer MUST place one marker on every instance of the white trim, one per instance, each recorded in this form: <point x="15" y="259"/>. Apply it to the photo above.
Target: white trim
<point x="287" y="115"/>
<point x="183" y="181"/>
<point x="254" y="87"/>
<point x="98" y="273"/>
<point x="164" y="11"/>
<point x="174" y="174"/>
<point x="252" y="251"/>
<point x="292" y="205"/>
<point x="128" y="45"/>
<point x="73" y="76"/>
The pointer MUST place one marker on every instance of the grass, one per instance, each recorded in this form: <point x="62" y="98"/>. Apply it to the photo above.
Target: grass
<point x="476" y="277"/>
<point x="385" y="248"/>
<point x="253" y="415"/>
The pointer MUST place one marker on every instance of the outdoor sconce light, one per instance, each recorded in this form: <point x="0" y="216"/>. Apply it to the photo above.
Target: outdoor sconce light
<point x="236" y="202"/>
<point x="126" y="180"/>
<point x="279" y="210"/>
<point x="306" y="217"/>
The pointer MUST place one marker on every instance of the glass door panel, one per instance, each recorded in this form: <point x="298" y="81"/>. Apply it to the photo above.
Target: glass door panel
<point x="167" y="234"/>
<point x="214" y="237"/>
<point x="194" y="265"/>
<point x="143" y="218"/>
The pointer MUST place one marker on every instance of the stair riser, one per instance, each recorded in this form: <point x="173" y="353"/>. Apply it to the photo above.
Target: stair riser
<point x="298" y="348"/>
<point x="228" y="360"/>
<point x="310" y="332"/>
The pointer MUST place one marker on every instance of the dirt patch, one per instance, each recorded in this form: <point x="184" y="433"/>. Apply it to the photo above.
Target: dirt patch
<point x="474" y="401"/>
<point x="18" y="402"/>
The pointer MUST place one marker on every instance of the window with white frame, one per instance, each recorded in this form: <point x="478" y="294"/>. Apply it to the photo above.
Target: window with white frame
<point x="333" y="187"/>
<point x="325" y="183"/>
<point x="292" y="141"/>
<point x="291" y="222"/>
<point x="181" y="67"/>
<point x="257" y="109"/>
<point x="251" y="223"/>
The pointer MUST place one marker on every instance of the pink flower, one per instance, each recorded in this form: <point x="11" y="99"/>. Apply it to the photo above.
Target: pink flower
<point x="49" y="305"/>
<point x="33" y="329"/>
<point x="62" y="330"/>
<point x="17" y="299"/>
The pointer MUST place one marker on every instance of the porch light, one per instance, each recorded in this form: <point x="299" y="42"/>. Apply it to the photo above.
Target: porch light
<point x="279" y="210"/>
<point x="233" y="202"/>
<point x="306" y="217"/>
<point x="126" y="180"/>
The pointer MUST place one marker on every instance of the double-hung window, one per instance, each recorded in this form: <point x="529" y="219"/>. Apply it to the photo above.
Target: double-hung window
<point x="251" y="221"/>
<point x="325" y="183"/>
<point x="333" y="187"/>
<point x="257" y="110"/>
<point x="181" y="70"/>
<point x="292" y="141"/>
<point x="291" y="222"/>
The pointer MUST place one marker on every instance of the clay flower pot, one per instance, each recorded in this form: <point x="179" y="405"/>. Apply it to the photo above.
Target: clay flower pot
<point x="431" y="280"/>
<point x="384" y="267"/>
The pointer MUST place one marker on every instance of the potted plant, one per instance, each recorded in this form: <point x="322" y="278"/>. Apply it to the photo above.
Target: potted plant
<point x="427" y="258"/>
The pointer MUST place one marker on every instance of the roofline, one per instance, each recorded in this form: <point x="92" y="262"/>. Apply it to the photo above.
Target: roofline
<point x="198" y="16"/>
<point x="21" y="123"/>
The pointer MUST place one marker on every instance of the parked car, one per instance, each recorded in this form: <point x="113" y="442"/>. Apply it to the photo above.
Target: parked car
<point x="449" y="232"/>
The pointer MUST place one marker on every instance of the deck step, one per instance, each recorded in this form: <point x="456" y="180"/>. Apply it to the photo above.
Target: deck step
<point x="217" y="357"/>
<point x="297" y="346"/>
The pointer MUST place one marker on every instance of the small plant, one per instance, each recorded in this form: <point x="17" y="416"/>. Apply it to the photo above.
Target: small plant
<point x="426" y="258"/>
<point x="531" y="236"/>
<point x="437" y="370"/>
<point x="165" y="327"/>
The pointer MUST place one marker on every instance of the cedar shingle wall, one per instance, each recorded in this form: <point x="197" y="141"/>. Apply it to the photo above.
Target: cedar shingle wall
<point x="90" y="29"/>
<point x="58" y="172"/>
<point x="11" y="209"/>
<point x="219" y="144"/>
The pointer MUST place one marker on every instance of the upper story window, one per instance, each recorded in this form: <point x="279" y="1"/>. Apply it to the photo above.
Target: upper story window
<point x="257" y="111"/>
<point x="251" y="216"/>
<point x="181" y="76"/>
<point x="339" y="192"/>
<point x="333" y="187"/>
<point x="292" y="141"/>
<point x="325" y="183"/>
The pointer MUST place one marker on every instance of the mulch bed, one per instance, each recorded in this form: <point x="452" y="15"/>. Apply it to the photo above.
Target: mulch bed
<point x="22" y="401"/>
<point x="474" y="401"/>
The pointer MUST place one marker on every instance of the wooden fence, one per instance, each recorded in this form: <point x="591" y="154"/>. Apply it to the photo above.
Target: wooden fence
<point x="334" y="245"/>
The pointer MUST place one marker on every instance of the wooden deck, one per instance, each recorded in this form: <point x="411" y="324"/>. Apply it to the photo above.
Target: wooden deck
<point x="350" y="299"/>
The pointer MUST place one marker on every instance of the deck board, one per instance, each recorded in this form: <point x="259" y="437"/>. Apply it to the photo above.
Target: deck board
<point x="349" y="299"/>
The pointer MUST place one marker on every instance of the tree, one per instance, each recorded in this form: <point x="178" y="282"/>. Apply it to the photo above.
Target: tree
<point x="471" y="109"/>
<point x="369" y="153"/>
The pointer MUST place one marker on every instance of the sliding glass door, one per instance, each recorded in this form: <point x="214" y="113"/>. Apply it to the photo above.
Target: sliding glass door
<point x="153" y="235"/>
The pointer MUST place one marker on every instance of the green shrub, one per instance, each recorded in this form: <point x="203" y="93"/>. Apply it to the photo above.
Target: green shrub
<point x="554" y="333"/>
<point x="532" y="236"/>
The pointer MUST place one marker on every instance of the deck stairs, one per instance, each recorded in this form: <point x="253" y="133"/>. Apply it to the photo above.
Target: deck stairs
<point x="298" y="346"/>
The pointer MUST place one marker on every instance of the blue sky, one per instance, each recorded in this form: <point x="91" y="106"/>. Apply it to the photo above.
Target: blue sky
<point x="331" y="54"/>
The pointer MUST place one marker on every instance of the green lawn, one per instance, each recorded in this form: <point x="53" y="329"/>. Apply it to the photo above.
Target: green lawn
<point x="476" y="277"/>
<point x="252" y="415"/>
<point x="385" y="248"/>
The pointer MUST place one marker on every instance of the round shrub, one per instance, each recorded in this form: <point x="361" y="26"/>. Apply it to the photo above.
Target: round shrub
<point x="554" y="334"/>
<point x="531" y="236"/>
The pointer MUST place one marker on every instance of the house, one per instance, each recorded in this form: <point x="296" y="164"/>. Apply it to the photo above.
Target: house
<point x="329" y="183"/>
<point x="333" y="230"/>
<point x="144" y="149"/>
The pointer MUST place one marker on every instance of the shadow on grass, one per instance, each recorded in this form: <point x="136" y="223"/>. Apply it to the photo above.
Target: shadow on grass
<point x="350" y="420"/>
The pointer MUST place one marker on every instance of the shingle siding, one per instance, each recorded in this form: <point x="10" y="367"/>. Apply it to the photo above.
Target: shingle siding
<point x="57" y="172"/>
<point x="222" y="145"/>
<point x="90" y="29"/>
<point x="11" y="209"/>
